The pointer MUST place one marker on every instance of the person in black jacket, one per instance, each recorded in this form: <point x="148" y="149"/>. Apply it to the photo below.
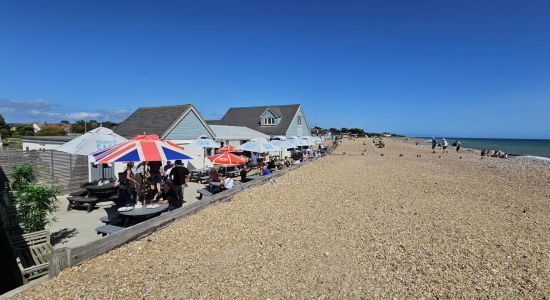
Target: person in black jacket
<point x="179" y="177"/>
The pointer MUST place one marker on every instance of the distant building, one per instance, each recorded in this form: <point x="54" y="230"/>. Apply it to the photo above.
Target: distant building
<point x="45" y="142"/>
<point x="274" y="120"/>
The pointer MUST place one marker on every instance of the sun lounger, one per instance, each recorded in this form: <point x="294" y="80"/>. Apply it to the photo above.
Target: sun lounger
<point x="33" y="251"/>
<point x="108" y="229"/>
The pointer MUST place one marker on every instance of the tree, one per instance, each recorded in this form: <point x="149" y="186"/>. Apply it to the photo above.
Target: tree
<point x="360" y="132"/>
<point x="51" y="130"/>
<point x="24" y="129"/>
<point x="78" y="126"/>
<point x="65" y="122"/>
<point x="335" y="131"/>
<point x="344" y="130"/>
<point x="109" y="124"/>
<point x="2" y="121"/>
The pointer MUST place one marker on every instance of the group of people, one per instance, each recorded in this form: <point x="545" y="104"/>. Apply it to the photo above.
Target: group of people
<point x="152" y="180"/>
<point x="445" y="145"/>
<point x="493" y="153"/>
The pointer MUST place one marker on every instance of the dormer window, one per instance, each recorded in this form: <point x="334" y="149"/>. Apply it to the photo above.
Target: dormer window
<point x="269" y="121"/>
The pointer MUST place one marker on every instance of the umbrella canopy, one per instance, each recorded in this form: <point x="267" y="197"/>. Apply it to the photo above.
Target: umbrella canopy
<point x="92" y="141"/>
<point x="228" y="148"/>
<point x="308" y="141"/>
<point x="141" y="148"/>
<point x="283" y="144"/>
<point x="205" y="143"/>
<point x="258" y="145"/>
<point x="227" y="159"/>
<point x="299" y="142"/>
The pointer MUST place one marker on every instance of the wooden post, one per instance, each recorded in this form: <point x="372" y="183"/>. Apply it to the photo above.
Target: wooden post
<point x="51" y="157"/>
<point x="59" y="261"/>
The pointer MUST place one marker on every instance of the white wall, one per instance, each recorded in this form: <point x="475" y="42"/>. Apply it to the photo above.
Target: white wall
<point x="39" y="146"/>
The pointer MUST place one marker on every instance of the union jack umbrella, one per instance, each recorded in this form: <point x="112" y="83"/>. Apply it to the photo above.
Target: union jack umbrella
<point x="227" y="159"/>
<point x="141" y="148"/>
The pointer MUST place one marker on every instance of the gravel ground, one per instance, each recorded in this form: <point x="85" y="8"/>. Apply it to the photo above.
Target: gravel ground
<point x="355" y="225"/>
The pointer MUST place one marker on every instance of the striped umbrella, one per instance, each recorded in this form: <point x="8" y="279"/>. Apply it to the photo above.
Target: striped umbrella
<point x="141" y="148"/>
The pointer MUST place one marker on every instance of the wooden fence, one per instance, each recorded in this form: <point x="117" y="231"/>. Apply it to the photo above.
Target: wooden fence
<point x="65" y="170"/>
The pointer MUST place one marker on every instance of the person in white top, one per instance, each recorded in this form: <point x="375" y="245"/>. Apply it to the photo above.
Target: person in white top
<point x="227" y="183"/>
<point x="444" y="144"/>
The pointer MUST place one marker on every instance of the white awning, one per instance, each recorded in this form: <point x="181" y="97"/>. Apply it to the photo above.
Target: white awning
<point x="236" y="133"/>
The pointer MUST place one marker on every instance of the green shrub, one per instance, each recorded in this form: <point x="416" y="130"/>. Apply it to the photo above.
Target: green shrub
<point x="36" y="202"/>
<point x="21" y="175"/>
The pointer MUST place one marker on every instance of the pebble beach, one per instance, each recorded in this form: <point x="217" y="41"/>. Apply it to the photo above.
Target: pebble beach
<point x="364" y="222"/>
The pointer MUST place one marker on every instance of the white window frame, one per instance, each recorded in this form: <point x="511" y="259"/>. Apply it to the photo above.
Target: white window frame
<point x="299" y="121"/>
<point x="269" y="121"/>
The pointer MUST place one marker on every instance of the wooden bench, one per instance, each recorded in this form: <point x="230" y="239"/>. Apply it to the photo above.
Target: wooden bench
<point x="33" y="252"/>
<point x="108" y="229"/>
<point x="113" y="218"/>
<point x="204" y="192"/>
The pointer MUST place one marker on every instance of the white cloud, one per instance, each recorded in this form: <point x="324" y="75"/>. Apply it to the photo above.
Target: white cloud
<point x="43" y="110"/>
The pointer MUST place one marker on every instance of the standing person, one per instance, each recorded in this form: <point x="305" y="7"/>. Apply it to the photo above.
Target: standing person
<point x="434" y="144"/>
<point x="179" y="177"/>
<point x="458" y="145"/>
<point x="156" y="178"/>
<point x="444" y="144"/>
<point x="166" y="171"/>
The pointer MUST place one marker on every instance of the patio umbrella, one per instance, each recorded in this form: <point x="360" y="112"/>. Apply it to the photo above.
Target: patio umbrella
<point x="204" y="143"/>
<point x="227" y="159"/>
<point x="297" y="141"/>
<point x="258" y="145"/>
<point x="141" y="148"/>
<point x="228" y="148"/>
<point x="283" y="144"/>
<point x="92" y="141"/>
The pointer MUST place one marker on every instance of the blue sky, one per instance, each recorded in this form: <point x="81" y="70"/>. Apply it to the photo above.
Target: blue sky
<point x="445" y="68"/>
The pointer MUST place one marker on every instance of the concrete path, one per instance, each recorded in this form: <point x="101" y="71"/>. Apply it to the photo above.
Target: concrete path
<point x="77" y="227"/>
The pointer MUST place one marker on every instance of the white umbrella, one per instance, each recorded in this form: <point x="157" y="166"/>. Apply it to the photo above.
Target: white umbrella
<point x="258" y="145"/>
<point x="92" y="141"/>
<point x="283" y="144"/>
<point x="204" y="142"/>
<point x="307" y="141"/>
<point x="298" y="141"/>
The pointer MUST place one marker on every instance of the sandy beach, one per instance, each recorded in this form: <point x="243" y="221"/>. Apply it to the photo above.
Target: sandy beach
<point x="370" y="223"/>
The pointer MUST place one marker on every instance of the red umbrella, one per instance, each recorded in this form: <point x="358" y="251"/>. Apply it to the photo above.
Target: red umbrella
<point x="228" y="148"/>
<point x="227" y="159"/>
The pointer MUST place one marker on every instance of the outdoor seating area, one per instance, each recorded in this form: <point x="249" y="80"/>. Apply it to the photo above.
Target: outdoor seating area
<point x="149" y="187"/>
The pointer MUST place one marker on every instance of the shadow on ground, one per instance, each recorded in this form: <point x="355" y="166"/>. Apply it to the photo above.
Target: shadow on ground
<point x="63" y="235"/>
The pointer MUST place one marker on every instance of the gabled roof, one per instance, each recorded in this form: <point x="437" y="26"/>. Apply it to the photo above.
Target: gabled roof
<point x="226" y="132"/>
<point x="151" y="120"/>
<point x="250" y="117"/>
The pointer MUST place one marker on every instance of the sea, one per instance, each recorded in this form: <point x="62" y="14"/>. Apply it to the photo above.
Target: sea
<point x="537" y="147"/>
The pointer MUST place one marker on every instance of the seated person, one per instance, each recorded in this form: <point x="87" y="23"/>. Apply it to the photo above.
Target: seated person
<point x="227" y="182"/>
<point x="265" y="170"/>
<point x="271" y="164"/>
<point x="243" y="173"/>
<point x="213" y="176"/>
<point x="168" y="195"/>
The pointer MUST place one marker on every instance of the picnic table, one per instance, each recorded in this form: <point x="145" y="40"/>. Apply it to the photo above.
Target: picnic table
<point x="142" y="213"/>
<point x="92" y="195"/>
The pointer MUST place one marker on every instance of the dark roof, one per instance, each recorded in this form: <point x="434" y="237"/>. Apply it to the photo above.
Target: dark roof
<point x="47" y="138"/>
<point x="151" y="120"/>
<point x="250" y="117"/>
